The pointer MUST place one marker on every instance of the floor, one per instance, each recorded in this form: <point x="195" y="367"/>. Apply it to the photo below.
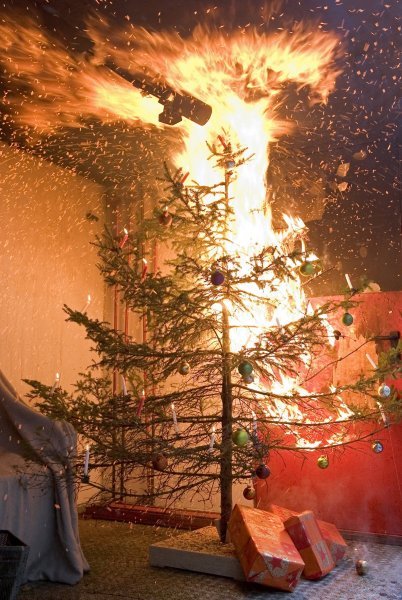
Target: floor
<point x="118" y="555"/>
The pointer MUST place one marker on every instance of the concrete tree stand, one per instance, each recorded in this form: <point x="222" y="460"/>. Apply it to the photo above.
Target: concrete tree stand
<point x="200" y="551"/>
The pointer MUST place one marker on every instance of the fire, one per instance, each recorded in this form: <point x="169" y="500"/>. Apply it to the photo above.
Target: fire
<point x="243" y="76"/>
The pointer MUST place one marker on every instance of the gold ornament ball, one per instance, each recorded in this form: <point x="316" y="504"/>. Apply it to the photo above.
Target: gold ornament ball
<point x="184" y="368"/>
<point x="323" y="461"/>
<point x="249" y="493"/>
<point x="361" y="567"/>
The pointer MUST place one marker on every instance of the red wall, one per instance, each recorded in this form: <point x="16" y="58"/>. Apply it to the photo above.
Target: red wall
<point x="360" y="490"/>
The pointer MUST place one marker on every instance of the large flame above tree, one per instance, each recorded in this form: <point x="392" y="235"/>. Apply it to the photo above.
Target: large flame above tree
<point x="243" y="75"/>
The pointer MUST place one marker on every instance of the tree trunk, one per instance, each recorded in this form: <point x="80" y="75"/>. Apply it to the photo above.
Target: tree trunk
<point x="226" y="447"/>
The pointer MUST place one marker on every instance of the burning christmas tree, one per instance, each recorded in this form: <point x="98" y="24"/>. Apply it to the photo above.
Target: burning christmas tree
<point x="223" y="376"/>
<point x="224" y="371"/>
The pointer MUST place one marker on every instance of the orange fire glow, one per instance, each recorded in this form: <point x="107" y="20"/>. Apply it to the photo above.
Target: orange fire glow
<point x="242" y="76"/>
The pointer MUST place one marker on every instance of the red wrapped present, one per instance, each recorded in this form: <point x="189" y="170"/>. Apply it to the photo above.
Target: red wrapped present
<point x="265" y="550"/>
<point x="335" y="542"/>
<point x="307" y="537"/>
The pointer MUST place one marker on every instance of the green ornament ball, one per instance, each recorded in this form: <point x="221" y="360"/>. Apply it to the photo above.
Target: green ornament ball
<point x="184" y="368"/>
<point x="245" y="368"/>
<point x="307" y="269"/>
<point x="347" y="319"/>
<point x="323" y="461"/>
<point x="240" y="437"/>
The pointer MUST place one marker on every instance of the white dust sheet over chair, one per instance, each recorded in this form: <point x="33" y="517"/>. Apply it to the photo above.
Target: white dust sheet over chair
<point x="37" y="490"/>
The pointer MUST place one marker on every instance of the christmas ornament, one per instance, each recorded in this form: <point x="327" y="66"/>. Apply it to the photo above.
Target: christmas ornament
<point x="337" y="334"/>
<point x="174" y="417"/>
<point x="377" y="447"/>
<point x="307" y="269"/>
<point x="245" y="368"/>
<point x="347" y="319"/>
<point x="248" y="378"/>
<point x="160" y="462"/>
<point x="165" y="218"/>
<point x="249" y="492"/>
<point x="384" y="391"/>
<point x="240" y="437"/>
<point x="230" y="164"/>
<point x="262" y="471"/>
<point x="361" y="567"/>
<point x="217" y="278"/>
<point x="323" y="461"/>
<point x="184" y="368"/>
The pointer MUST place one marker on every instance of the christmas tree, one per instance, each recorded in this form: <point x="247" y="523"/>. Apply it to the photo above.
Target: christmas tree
<point x="224" y="373"/>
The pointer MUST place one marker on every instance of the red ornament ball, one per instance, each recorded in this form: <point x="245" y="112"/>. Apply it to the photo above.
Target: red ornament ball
<point x="165" y="218"/>
<point x="249" y="493"/>
<point x="160" y="462"/>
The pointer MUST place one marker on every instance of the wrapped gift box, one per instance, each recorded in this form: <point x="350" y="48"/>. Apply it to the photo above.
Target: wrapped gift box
<point x="265" y="550"/>
<point x="335" y="542"/>
<point x="308" y="539"/>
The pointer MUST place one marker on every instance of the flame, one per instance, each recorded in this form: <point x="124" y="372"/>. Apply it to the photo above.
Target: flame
<point x="243" y="76"/>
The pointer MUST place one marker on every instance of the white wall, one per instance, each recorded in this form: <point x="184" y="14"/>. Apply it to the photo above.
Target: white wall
<point x="46" y="260"/>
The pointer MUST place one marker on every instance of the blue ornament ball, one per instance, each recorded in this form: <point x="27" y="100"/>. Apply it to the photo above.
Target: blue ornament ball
<point x="384" y="391"/>
<point x="262" y="471"/>
<point x="217" y="278"/>
<point x="377" y="447"/>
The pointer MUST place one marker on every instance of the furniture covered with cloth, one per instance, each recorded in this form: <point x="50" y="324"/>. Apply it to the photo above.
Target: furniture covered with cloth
<point x="37" y="489"/>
